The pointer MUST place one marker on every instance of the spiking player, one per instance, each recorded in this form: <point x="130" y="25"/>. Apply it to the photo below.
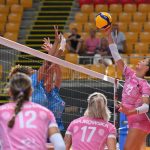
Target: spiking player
<point x="25" y="125"/>
<point x="92" y="131"/>
<point x="135" y="98"/>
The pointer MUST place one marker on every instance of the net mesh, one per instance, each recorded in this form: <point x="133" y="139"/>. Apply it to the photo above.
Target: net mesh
<point x="77" y="81"/>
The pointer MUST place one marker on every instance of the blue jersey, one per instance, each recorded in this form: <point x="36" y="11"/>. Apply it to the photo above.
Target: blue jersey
<point x="38" y="95"/>
<point x="55" y="104"/>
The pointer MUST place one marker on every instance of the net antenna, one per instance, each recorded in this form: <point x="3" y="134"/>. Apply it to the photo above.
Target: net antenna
<point x="22" y="48"/>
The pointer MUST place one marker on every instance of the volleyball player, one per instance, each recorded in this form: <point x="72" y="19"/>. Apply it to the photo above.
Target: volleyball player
<point x="92" y="131"/>
<point x="39" y="95"/>
<point x="51" y="85"/>
<point x="25" y="125"/>
<point x="135" y="98"/>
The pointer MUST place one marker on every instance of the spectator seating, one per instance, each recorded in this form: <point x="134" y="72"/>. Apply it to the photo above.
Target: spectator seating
<point x="135" y="27"/>
<point x="133" y="18"/>
<point x="141" y="48"/>
<point x="98" y="68"/>
<point x="144" y="37"/>
<point x="73" y="58"/>
<point x="110" y="71"/>
<point x="139" y="17"/>
<point x="88" y="26"/>
<point x="130" y="8"/>
<point x="2" y="1"/>
<point x="144" y="8"/>
<point x="11" y="2"/>
<point x="11" y="12"/>
<point x="101" y="8"/>
<point x="112" y="2"/>
<point x="87" y="9"/>
<point x="125" y="17"/>
<point x="123" y="26"/>
<point x="95" y="2"/>
<point x="126" y="1"/>
<point x="131" y="37"/>
<point x="16" y="9"/>
<point x="26" y="3"/>
<point x="81" y="2"/>
<point x="116" y="8"/>
<point x="146" y="26"/>
<point x="135" y="58"/>
<point x="130" y="47"/>
<point x="81" y="17"/>
<point x="78" y="26"/>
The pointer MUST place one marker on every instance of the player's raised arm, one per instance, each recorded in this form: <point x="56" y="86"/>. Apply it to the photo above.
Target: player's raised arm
<point x="51" y="48"/>
<point x="114" y="51"/>
<point x="58" y="78"/>
<point x="48" y="78"/>
<point x="62" y="47"/>
<point x="42" y="70"/>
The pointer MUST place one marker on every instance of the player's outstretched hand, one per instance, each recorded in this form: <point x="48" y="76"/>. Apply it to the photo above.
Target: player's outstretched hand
<point x="57" y="35"/>
<point x="47" y="45"/>
<point x="108" y="35"/>
<point x="62" y="43"/>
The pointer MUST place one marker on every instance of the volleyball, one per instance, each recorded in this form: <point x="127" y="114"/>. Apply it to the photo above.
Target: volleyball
<point x="103" y="20"/>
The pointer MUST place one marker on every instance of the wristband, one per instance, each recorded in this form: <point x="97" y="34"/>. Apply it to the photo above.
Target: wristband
<point x="142" y="109"/>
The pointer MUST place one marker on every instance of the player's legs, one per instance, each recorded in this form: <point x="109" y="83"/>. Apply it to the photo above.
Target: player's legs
<point x="135" y="139"/>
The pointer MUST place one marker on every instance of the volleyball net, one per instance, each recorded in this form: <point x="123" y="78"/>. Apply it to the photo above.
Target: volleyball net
<point x="78" y="81"/>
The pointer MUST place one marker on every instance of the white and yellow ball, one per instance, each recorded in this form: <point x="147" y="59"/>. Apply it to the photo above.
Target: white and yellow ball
<point x="103" y="20"/>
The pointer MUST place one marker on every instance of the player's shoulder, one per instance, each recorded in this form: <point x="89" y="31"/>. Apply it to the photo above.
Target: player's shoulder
<point x="110" y="125"/>
<point x="143" y="82"/>
<point x="39" y="107"/>
<point x="7" y="106"/>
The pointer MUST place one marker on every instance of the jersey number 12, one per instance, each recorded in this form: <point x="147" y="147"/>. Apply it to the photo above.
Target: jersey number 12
<point x="28" y="123"/>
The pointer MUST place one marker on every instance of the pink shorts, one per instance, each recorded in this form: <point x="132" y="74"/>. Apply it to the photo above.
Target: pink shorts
<point x="139" y="122"/>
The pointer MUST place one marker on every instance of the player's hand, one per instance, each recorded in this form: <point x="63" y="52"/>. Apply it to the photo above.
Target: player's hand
<point x="123" y="109"/>
<point x="57" y="35"/>
<point x="118" y="104"/>
<point x="47" y="45"/>
<point x="108" y="35"/>
<point x="62" y="43"/>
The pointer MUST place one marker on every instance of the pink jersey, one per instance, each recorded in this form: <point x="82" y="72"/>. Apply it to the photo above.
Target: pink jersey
<point x="90" y="134"/>
<point x="134" y="89"/>
<point x="30" y="129"/>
